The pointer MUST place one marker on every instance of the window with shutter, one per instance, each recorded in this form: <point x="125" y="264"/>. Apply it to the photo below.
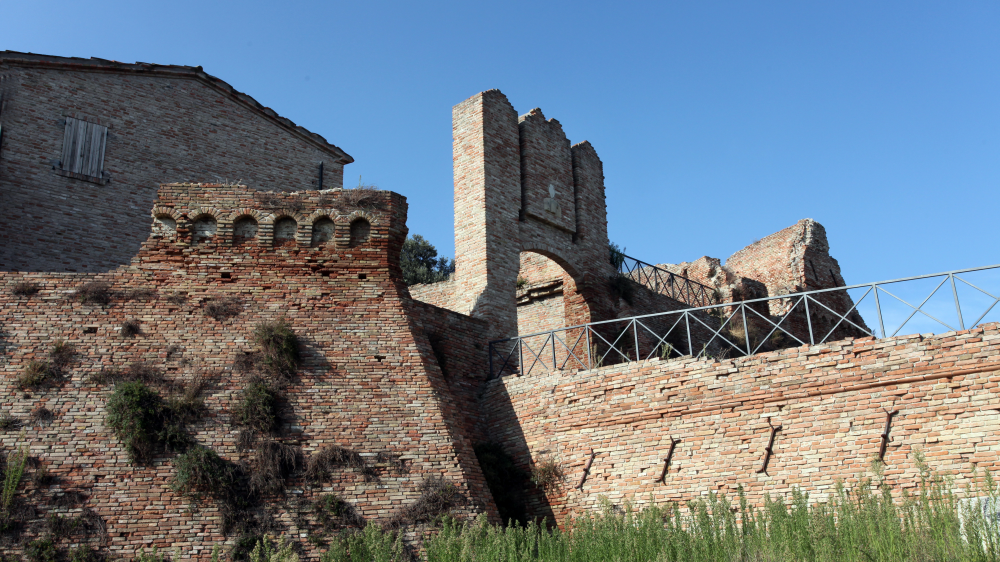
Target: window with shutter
<point x="83" y="149"/>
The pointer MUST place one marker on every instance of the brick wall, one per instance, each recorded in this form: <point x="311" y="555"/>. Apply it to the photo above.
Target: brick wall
<point x="165" y="124"/>
<point x="830" y="400"/>
<point x="369" y="379"/>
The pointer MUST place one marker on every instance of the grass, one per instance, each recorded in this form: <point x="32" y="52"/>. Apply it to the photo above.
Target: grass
<point x="13" y="471"/>
<point x="35" y="374"/>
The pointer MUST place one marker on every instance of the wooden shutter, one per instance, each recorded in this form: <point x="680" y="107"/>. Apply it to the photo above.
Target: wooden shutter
<point x="83" y="147"/>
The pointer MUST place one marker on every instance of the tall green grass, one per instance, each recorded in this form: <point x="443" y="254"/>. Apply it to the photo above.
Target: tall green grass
<point x="864" y="523"/>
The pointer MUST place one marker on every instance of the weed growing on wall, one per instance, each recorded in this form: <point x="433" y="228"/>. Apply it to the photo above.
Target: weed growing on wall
<point x="130" y="328"/>
<point x="9" y="422"/>
<point x="35" y="373"/>
<point x="438" y="497"/>
<point x="547" y="474"/>
<point x="25" y="289"/>
<point x="202" y="472"/>
<point x="38" y="373"/>
<point x="324" y="462"/>
<point x="279" y="348"/>
<point x="12" y="474"/>
<point x="95" y="292"/>
<point x="41" y="550"/>
<point x="223" y="308"/>
<point x="257" y="409"/>
<point x="145" y="423"/>
<point x="271" y="464"/>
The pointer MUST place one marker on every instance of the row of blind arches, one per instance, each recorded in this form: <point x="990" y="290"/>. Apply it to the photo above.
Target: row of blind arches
<point x="245" y="229"/>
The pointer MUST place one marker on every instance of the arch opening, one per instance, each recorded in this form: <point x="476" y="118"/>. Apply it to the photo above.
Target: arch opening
<point x="164" y="225"/>
<point x="284" y="231"/>
<point x="203" y="229"/>
<point x="360" y="232"/>
<point x="244" y="229"/>
<point x="322" y="232"/>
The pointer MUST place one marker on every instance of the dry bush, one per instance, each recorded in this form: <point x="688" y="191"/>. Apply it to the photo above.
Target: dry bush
<point x="9" y="422"/>
<point x="257" y="409"/>
<point x="69" y="498"/>
<point x="364" y="197"/>
<point x="25" y="289"/>
<point x="330" y="458"/>
<point x="35" y="374"/>
<point x="223" y="308"/>
<point x="271" y="463"/>
<point x="396" y="465"/>
<point x="547" y="474"/>
<point x="176" y="298"/>
<point x="62" y="355"/>
<point x="130" y="328"/>
<point x="95" y="292"/>
<point x="437" y="497"/>
<point x="42" y="415"/>
<point x="279" y="349"/>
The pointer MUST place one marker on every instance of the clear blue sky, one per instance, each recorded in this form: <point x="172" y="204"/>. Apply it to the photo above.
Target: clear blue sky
<point x="718" y="123"/>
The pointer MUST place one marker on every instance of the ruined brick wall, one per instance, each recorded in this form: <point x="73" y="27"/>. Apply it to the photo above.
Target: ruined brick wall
<point x="521" y="187"/>
<point x="830" y="400"/>
<point x="164" y="124"/>
<point x="369" y="379"/>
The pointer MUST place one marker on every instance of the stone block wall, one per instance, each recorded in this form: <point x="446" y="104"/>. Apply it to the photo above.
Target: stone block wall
<point x="165" y="124"/>
<point x="830" y="400"/>
<point x="369" y="379"/>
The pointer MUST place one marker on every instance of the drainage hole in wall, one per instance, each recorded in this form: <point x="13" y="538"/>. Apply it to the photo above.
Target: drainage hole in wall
<point x="362" y="276"/>
<point x="227" y="275"/>
<point x="90" y="330"/>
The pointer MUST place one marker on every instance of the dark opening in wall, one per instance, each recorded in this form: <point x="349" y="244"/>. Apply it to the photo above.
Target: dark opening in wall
<point x="322" y="232"/>
<point x="244" y="230"/>
<point x="360" y="232"/>
<point x="284" y="231"/>
<point x="203" y="229"/>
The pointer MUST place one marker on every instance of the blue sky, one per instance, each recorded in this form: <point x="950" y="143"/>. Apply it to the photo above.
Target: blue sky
<point x="718" y="123"/>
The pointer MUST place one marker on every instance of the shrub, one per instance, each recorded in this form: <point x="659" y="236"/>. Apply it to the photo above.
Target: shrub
<point x="325" y="461"/>
<point x="201" y="471"/>
<point x="547" y="474"/>
<point x="332" y="511"/>
<point x="95" y="292"/>
<point x="130" y="328"/>
<point x="505" y="481"/>
<point x="9" y="422"/>
<point x="258" y="408"/>
<point x="12" y="474"/>
<point x="25" y="289"/>
<point x="272" y="462"/>
<point x="135" y="414"/>
<point x="84" y="553"/>
<point x="42" y="415"/>
<point x="223" y="308"/>
<point x="437" y="497"/>
<point x="62" y="355"/>
<point x="267" y="551"/>
<point x="279" y="348"/>
<point x="41" y="550"/>
<point x="35" y="374"/>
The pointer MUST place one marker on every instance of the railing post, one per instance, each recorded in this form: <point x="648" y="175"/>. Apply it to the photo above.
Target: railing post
<point x="552" y="339"/>
<point x="590" y="358"/>
<point x="687" y="324"/>
<point x="635" y="335"/>
<point x="805" y="298"/>
<point x="958" y="307"/>
<point x="746" y="328"/>
<point x="878" y="310"/>
<point x="520" y="357"/>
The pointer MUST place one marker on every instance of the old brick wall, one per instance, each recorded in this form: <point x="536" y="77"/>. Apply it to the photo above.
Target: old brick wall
<point x="369" y="378"/>
<point x="165" y="124"/>
<point x="830" y="400"/>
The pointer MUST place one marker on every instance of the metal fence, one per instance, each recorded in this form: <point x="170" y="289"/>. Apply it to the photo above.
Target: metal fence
<point x="665" y="282"/>
<point x="754" y="326"/>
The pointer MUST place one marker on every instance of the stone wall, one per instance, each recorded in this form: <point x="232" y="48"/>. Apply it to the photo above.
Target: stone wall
<point x="369" y="381"/>
<point x="830" y="400"/>
<point x="165" y="124"/>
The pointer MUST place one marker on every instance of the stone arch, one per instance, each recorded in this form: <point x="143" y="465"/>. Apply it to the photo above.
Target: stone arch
<point x="360" y="232"/>
<point x="165" y="222"/>
<point x="284" y="229"/>
<point x="323" y="231"/>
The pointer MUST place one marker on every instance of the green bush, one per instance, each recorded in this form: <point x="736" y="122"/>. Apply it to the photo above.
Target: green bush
<point x="279" y="348"/>
<point x="257" y="408"/>
<point x="41" y="550"/>
<point x="201" y="471"/>
<point x="135" y="414"/>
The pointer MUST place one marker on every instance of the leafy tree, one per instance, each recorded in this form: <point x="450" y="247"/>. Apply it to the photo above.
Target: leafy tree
<point x="420" y="262"/>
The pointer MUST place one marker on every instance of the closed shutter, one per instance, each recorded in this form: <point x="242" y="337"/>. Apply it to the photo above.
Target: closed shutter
<point x="83" y="147"/>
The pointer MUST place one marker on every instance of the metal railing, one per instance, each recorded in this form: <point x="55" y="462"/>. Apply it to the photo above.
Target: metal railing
<point x="665" y="282"/>
<point x="739" y="328"/>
